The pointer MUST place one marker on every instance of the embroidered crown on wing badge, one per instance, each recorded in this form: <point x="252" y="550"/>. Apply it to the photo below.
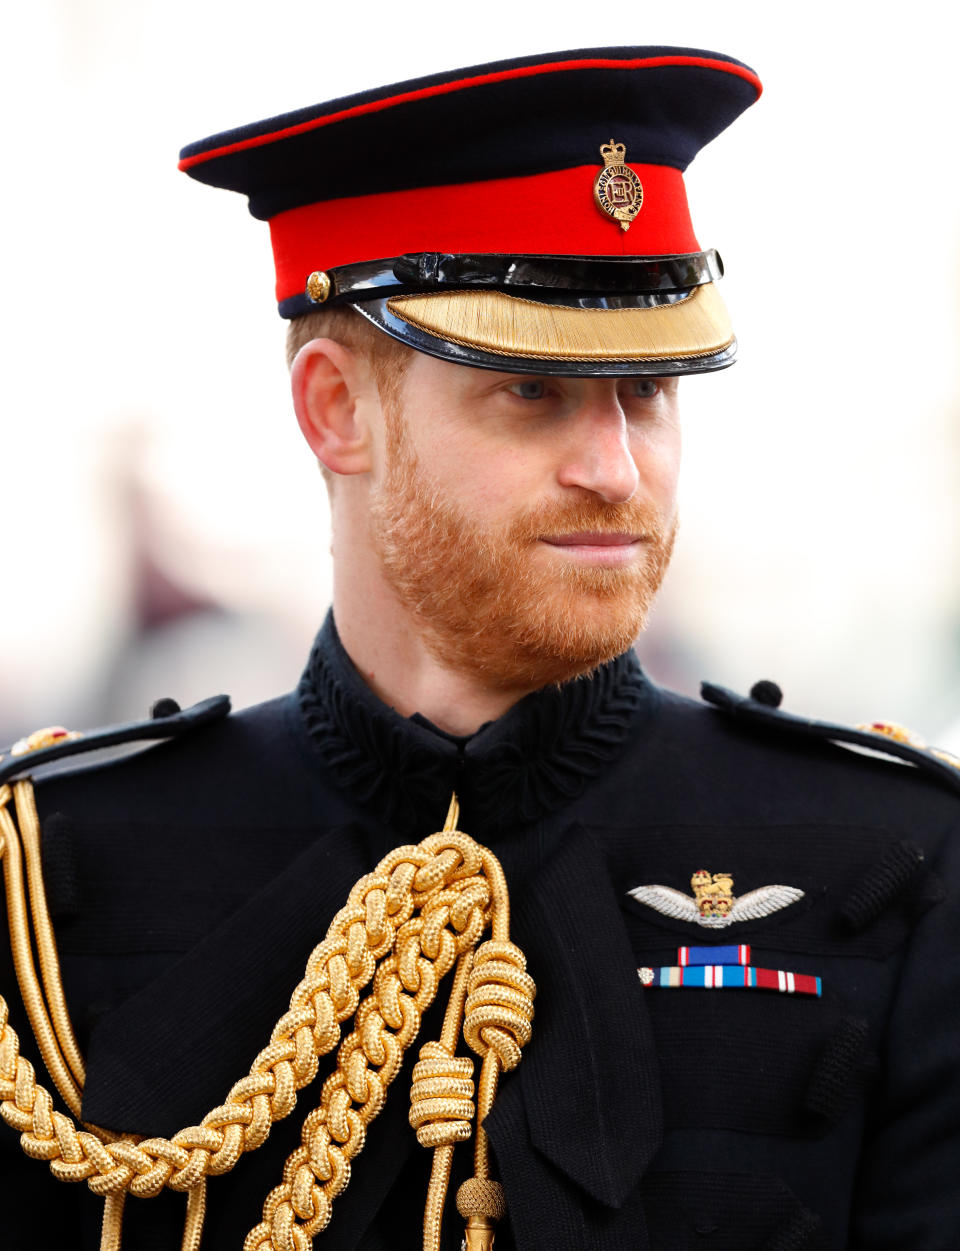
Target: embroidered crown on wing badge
<point x="714" y="904"/>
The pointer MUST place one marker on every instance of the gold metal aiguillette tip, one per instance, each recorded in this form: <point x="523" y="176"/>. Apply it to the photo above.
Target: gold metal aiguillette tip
<point x="453" y="814"/>
<point x="479" y="1234"/>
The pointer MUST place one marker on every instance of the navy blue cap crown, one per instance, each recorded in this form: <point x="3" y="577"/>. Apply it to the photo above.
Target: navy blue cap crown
<point x="485" y="121"/>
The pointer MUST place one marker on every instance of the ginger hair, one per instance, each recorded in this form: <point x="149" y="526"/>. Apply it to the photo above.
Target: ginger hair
<point x="388" y="357"/>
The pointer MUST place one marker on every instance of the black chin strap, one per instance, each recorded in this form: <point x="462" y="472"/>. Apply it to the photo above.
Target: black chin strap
<point x="430" y="271"/>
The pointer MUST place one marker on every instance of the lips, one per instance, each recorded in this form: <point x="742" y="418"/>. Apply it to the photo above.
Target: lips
<point x="599" y="549"/>
<point x="593" y="539"/>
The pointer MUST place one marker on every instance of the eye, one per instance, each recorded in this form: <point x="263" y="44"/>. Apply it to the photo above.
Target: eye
<point x="529" y="389"/>
<point x="644" y="388"/>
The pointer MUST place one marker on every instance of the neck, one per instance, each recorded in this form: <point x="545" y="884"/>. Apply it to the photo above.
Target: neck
<point x="391" y="656"/>
<point x="388" y="648"/>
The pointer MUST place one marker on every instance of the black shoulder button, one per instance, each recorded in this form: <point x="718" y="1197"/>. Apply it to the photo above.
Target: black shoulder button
<point x="165" y="707"/>
<point x="767" y="692"/>
<point x="878" y="737"/>
<point x="56" y="743"/>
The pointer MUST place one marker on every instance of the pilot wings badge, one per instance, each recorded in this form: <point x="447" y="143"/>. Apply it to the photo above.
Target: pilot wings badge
<point x="714" y="904"/>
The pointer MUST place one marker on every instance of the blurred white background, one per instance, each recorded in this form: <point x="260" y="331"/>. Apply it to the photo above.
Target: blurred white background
<point x="166" y="531"/>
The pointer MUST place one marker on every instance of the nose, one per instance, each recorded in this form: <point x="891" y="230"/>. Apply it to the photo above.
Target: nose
<point x="597" y="454"/>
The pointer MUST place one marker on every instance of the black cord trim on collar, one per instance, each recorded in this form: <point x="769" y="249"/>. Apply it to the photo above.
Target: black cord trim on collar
<point x="537" y="757"/>
<point x="559" y="739"/>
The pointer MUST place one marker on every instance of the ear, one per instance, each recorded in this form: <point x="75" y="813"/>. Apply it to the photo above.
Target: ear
<point x="328" y="382"/>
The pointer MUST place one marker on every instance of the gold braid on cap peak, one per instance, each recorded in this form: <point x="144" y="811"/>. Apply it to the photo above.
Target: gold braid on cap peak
<point x="419" y="914"/>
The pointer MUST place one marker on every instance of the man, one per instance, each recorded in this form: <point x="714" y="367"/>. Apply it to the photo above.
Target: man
<point x="495" y="287"/>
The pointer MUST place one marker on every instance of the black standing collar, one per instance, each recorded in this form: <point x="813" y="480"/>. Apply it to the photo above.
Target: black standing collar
<point x="531" y="761"/>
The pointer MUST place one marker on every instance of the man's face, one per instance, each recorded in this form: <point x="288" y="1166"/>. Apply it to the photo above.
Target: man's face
<point x="526" y="523"/>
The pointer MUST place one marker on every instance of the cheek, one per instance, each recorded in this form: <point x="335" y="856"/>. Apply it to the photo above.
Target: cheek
<point x="656" y="453"/>
<point x="505" y="480"/>
<point x="488" y="479"/>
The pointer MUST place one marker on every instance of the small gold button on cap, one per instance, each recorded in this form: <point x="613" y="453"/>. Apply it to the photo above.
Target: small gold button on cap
<point x="318" y="286"/>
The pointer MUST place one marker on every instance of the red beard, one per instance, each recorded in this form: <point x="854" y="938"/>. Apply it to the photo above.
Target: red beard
<point x="483" y="601"/>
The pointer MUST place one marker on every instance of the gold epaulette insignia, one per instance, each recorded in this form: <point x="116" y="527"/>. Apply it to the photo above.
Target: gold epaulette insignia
<point x="901" y="734"/>
<point x="167" y="720"/>
<point x="49" y="736"/>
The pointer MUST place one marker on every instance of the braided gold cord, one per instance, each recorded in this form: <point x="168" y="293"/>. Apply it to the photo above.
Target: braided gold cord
<point x="442" y="908"/>
<point x="29" y="823"/>
<point x="499" y="998"/>
<point x="22" y="952"/>
<point x="404" y="926"/>
<point x="111" y="1231"/>
<point x="441" y="1102"/>
<point x="196" y="1211"/>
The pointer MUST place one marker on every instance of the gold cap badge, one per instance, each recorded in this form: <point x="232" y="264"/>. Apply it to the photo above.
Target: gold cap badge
<point x="617" y="190"/>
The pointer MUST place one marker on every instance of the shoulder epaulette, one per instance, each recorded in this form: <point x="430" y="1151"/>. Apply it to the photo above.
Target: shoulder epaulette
<point x="167" y="720"/>
<point x="761" y="707"/>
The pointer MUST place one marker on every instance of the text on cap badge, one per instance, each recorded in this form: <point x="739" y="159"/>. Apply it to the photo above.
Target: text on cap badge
<point x="617" y="190"/>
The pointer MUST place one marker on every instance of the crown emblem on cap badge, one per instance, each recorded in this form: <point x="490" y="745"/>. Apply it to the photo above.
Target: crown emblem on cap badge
<point x="617" y="190"/>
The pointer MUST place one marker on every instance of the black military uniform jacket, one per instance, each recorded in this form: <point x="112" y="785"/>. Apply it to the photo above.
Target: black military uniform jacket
<point x="188" y="884"/>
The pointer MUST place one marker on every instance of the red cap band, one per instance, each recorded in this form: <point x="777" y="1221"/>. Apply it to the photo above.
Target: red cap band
<point x="540" y="214"/>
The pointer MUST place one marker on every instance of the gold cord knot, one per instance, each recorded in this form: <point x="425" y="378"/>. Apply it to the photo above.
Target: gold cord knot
<point x="499" y="1007"/>
<point x="481" y="1203"/>
<point x="441" y="1097"/>
<point x="404" y="926"/>
<point x="480" y="1196"/>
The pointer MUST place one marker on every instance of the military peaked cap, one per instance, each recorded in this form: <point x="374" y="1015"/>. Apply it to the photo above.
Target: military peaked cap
<point x="523" y="215"/>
